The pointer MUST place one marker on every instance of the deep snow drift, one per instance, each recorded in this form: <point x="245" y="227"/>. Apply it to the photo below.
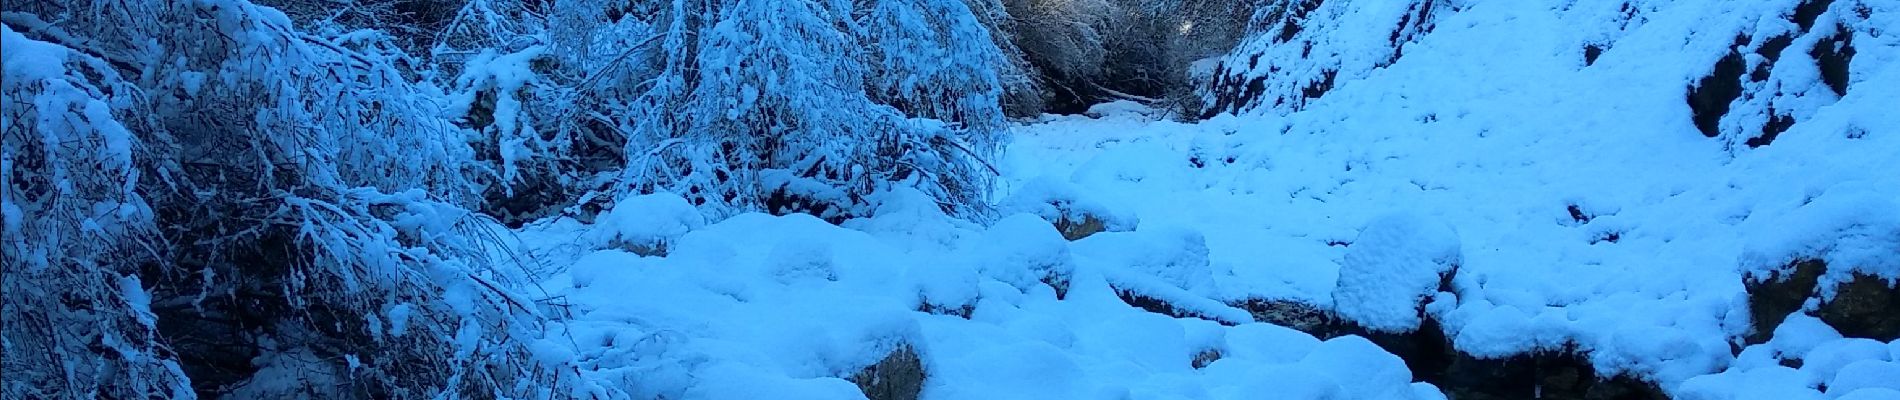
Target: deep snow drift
<point x="1578" y="201"/>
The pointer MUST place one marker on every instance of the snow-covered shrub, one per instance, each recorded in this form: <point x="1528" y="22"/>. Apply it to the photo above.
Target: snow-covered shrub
<point x="1152" y="43"/>
<point x="311" y="196"/>
<point x="76" y="232"/>
<point x="930" y="58"/>
<point x="1022" y="92"/>
<point x="761" y="105"/>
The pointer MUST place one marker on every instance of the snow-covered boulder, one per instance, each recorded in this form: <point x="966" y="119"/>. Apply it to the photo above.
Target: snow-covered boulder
<point x="1397" y="262"/>
<point x="645" y="224"/>
<point x="1838" y="250"/>
<point x="1023" y="250"/>
<point x="1061" y="203"/>
<point x="1173" y="256"/>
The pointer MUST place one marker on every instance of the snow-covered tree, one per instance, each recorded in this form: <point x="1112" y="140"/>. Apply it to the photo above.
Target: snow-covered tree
<point x="778" y="106"/>
<point x="78" y="319"/>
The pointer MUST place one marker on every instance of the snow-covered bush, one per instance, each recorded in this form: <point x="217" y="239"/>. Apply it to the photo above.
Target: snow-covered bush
<point x="78" y="319"/>
<point x="1064" y="38"/>
<point x="311" y="198"/>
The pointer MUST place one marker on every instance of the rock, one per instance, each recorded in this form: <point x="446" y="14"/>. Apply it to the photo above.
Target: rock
<point x="899" y="376"/>
<point x="1864" y="307"/>
<point x="1206" y="357"/>
<point x="1076" y="227"/>
<point x="1075" y="215"/>
<point x="1154" y="305"/>
<point x="1058" y="281"/>
<point x="1564" y="375"/>
<point x="1292" y="314"/>
<point x="1771" y="299"/>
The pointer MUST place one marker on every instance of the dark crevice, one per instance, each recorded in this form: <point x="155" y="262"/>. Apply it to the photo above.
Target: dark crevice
<point x="1834" y="55"/>
<point x="1709" y="99"/>
<point x="1808" y="11"/>
<point x="1769" y="131"/>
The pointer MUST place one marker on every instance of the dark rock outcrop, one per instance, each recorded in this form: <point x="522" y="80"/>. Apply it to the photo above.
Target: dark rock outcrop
<point x="1158" y="306"/>
<point x="1709" y="99"/>
<point x="1564" y="374"/>
<point x="1205" y="358"/>
<point x="1080" y="226"/>
<point x="1772" y="298"/>
<point x="1292" y="314"/>
<point x="1862" y="306"/>
<point x="1833" y="55"/>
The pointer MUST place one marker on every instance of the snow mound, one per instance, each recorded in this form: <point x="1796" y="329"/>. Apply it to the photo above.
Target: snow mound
<point x="1122" y="109"/>
<point x="1061" y="203"/>
<point x="645" y="224"/>
<point x="1397" y="262"/>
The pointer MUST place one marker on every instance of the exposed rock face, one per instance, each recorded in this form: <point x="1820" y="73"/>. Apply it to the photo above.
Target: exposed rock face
<point x="1743" y="83"/>
<point x="1292" y="56"/>
<point x="1079" y="226"/>
<point x="1292" y="314"/>
<point x="1862" y="306"/>
<point x="899" y="376"/>
<point x="1833" y="55"/>
<point x="1563" y="375"/>
<point x="1159" y="306"/>
<point x="1771" y="299"/>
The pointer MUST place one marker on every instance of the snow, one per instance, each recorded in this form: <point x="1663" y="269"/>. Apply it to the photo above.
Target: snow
<point x="1398" y="162"/>
<point x="794" y="304"/>
<point x="1123" y="109"/>
<point x="648" y="221"/>
<point x="1865" y="375"/>
<point x="1054" y="198"/>
<point x="1395" y="263"/>
<point x="1872" y="394"/>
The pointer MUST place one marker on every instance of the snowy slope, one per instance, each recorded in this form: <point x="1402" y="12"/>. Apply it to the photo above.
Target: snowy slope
<point x="1581" y="204"/>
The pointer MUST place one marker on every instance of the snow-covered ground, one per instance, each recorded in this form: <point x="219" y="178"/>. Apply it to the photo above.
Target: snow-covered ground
<point x="1581" y="206"/>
